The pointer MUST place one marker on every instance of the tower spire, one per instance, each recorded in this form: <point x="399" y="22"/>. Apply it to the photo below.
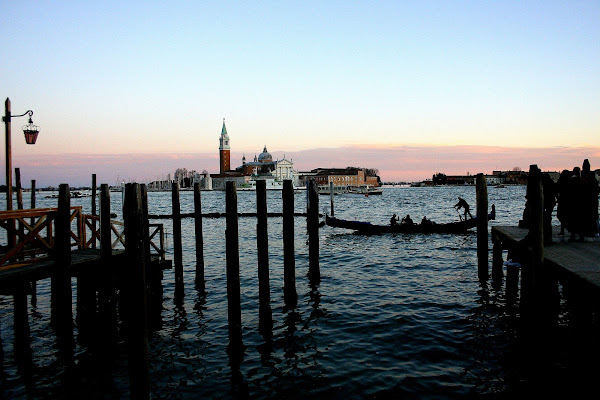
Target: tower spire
<point x="224" y="149"/>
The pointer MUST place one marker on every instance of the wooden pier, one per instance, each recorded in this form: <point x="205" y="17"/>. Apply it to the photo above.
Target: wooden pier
<point x="545" y="257"/>
<point x="121" y="264"/>
<point x="570" y="259"/>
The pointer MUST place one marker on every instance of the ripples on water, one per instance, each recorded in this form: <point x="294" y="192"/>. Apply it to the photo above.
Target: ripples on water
<point x="395" y="316"/>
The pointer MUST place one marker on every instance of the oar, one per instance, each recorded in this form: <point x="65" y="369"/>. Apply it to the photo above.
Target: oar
<point x="459" y="216"/>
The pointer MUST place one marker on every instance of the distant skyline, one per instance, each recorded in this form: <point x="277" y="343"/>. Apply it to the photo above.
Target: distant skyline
<point x="121" y="80"/>
<point x="407" y="164"/>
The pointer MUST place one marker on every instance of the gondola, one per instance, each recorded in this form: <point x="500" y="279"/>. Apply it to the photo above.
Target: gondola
<point x="368" y="228"/>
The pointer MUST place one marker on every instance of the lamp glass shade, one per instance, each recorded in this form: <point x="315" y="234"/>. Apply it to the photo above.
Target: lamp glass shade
<point x="30" y="135"/>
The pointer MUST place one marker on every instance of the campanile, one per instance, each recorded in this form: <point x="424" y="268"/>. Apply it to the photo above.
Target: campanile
<point x="224" y="157"/>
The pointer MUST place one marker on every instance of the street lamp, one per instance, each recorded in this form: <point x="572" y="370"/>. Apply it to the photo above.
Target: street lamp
<point x="30" y="131"/>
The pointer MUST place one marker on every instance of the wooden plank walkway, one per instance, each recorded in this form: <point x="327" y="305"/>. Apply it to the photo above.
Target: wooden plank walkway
<point x="80" y="258"/>
<point x="578" y="259"/>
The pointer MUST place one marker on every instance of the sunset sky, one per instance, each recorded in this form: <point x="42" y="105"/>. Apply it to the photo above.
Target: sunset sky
<point x="133" y="90"/>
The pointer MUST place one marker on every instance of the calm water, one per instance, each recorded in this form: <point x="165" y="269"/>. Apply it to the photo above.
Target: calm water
<point x="395" y="316"/>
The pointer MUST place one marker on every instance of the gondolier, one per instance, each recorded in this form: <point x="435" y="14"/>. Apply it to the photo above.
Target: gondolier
<point x="463" y="204"/>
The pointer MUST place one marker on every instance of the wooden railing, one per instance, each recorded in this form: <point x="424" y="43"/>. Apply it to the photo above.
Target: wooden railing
<point x="30" y="234"/>
<point x="27" y="233"/>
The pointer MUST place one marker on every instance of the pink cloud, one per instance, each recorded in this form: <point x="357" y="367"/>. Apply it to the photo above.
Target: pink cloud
<point x="398" y="163"/>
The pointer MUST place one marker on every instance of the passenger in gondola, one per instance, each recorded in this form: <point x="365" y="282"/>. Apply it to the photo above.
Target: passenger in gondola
<point x="426" y="222"/>
<point x="394" y="220"/>
<point x="463" y="204"/>
<point x="407" y="220"/>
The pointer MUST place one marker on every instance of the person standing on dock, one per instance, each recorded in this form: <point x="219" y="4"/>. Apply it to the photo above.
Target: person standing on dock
<point x="463" y="204"/>
<point x="563" y="198"/>
<point x="589" y="200"/>
<point x="549" y="190"/>
<point x="575" y="211"/>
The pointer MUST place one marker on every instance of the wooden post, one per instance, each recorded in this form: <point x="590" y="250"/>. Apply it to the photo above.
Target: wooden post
<point x="234" y="311"/>
<point x="94" y="206"/>
<point x="289" y="259"/>
<point x="134" y="293"/>
<point x="312" y="216"/>
<point x="33" y="189"/>
<point x="145" y="221"/>
<point x="482" y="227"/>
<point x="535" y="197"/>
<point x="62" y="318"/>
<point x="107" y="303"/>
<point x="200" y="282"/>
<point x="262" y="242"/>
<point x="19" y="188"/>
<point x="177" y="246"/>
<point x="331" y="194"/>
<point x="105" y="230"/>
<point x="32" y="222"/>
<point x="8" y="157"/>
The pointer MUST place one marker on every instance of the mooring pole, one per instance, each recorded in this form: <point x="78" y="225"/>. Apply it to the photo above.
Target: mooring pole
<point x="94" y="213"/>
<point x="331" y="196"/>
<point x="19" y="188"/>
<point x="482" y="227"/>
<point x="289" y="259"/>
<point x="234" y="311"/>
<point x="62" y="316"/>
<point x="105" y="230"/>
<point x="107" y="296"/>
<point x="312" y="217"/>
<point x="535" y="196"/>
<point x="177" y="246"/>
<point x="32" y="222"/>
<point x="200" y="282"/>
<point x="134" y="294"/>
<point x="262" y="242"/>
<point x="19" y="196"/>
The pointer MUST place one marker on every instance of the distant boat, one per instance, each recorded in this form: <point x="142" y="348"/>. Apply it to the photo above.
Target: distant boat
<point x="74" y="195"/>
<point x="364" y="191"/>
<point x="368" y="228"/>
<point x="361" y="190"/>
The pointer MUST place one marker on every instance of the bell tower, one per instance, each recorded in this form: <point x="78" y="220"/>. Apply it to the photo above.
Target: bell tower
<point x="224" y="157"/>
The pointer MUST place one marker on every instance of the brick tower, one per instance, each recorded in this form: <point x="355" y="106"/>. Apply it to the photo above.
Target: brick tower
<point x="224" y="157"/>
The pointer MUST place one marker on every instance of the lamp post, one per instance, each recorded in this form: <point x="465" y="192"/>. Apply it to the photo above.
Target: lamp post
<point x="30" y="131"/>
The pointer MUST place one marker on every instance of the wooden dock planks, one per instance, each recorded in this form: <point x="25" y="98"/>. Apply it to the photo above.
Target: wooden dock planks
<point x="580" y="259"/>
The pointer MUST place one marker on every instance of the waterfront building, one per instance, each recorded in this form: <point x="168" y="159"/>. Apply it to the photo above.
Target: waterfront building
<point x="341" y="177"/>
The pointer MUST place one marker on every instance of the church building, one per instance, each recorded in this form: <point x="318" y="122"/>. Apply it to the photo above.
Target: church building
<point x="245" y="176"/>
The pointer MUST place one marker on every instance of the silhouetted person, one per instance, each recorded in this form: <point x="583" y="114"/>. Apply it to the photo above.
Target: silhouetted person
<point x="563" y="198"/>
<point x="463" y="204"/>
<point x="589" y="202"/>
<point x="407" y="220"/>
<point x="394" y="220"/>
<point x="549" y="190"/>
<point x="575" y="211"/>
<point x="426" y="222"/>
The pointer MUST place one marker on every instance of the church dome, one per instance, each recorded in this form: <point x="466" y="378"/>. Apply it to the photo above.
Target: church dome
<point x="265" y="156"/>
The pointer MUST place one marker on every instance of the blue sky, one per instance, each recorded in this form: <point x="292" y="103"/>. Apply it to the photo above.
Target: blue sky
<point x="156" y="77"/>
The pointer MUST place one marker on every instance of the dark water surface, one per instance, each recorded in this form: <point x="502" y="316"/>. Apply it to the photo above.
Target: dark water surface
<point x="394" y="316"/>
